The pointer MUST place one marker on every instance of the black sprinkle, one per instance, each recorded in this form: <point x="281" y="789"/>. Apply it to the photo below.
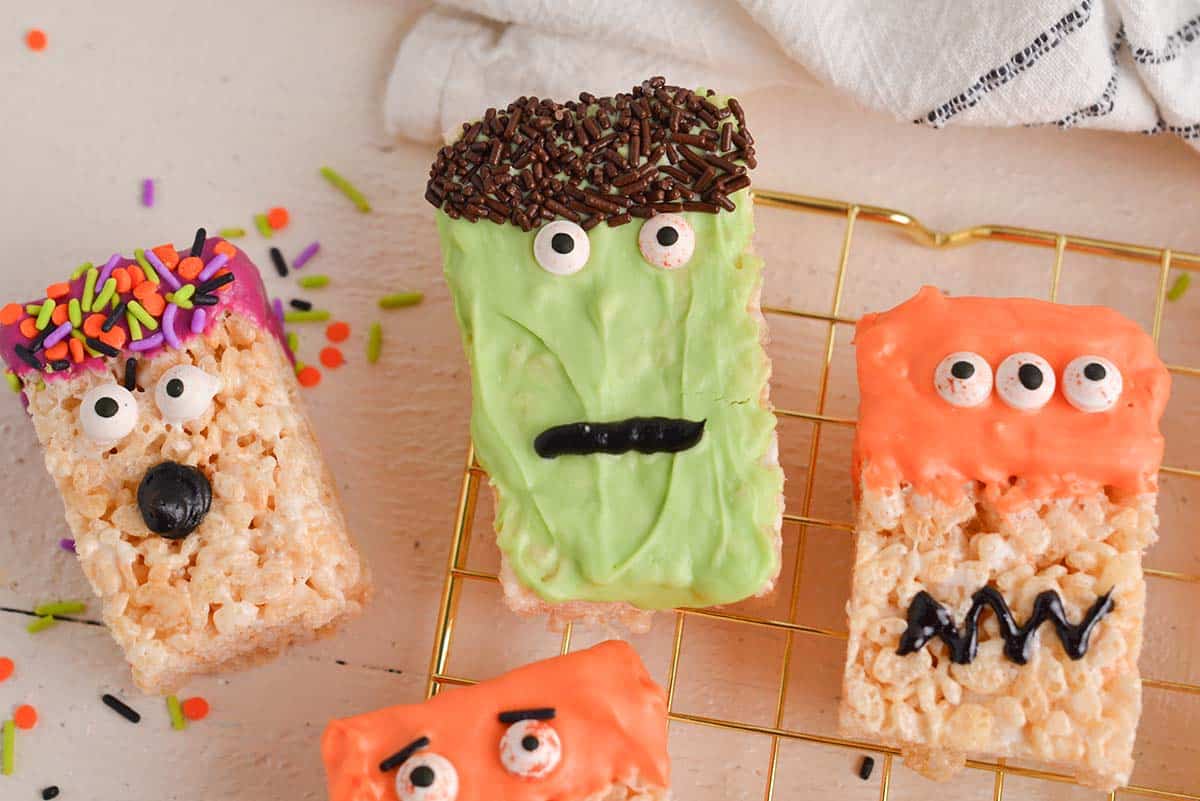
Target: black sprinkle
<point x="26" y="355"/>
<point x="205" y="300"/>
<point x="864" y="770"/>
<point x="36" y="343"/>
<point x="113" y="316"/>
<point x="131" y="374"/>
<point x="119" y="706"/>
<point x="59" y="364"/>
<point x="103" y="347"/>
<point x="215" y="283"/>
<point x="280" y="264"/>
<point x="302" y="305"/>
<point x="50" y="792"/>
<point x="198" y="242"/>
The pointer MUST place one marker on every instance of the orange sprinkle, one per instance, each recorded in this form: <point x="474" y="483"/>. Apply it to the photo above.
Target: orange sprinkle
<point x="190" y="267"/>
<point x="29" y="328"/>
<point x="58" y="290"/>
<point x="60" y="314"/>
<point x="76" y="349"/>
<point x="115" y="337"/>
<point x="195" y="708"/>
<point x="136" y="276"/>
<point x="25" y="716"/>
<point x="56" y="352"/>
<point x="332" y="357"/>
<point x="338" y="332"/>
<point x="10" y="314"/>
<point x="91" y="325"/>
<point x="144" y="289"/>
<point x="6" y="667"/>
<point x="278" y="217"/>
<point x="153" y="303"/>
<point x="309" y="377"/>
<point x="168" y="255"/>
<point x="35" y="40"/>
<point x="225" y="247"/>
<point x="124" y="282"/>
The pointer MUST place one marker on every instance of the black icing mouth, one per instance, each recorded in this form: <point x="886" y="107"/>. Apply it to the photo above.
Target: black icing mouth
<point x="641" y="434"/>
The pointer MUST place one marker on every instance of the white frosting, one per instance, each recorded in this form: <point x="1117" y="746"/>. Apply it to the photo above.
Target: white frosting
<point x="1092" y="394"/>
<point x="189" y="397"/>
<point x="107" y="413"/>
<point x="1016" y="394"/>
<point x="551" y="260"/>
<point x="445" y="779"/>
<point x="530" y="764"/>
<point x="963" y="392"/>
<point x="670" y="256"/>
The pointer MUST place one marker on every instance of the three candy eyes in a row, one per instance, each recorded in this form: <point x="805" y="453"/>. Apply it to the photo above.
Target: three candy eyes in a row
<point x="562" y="247"/>
<point x="1026" y="381"/>
<point x="110" y="411"/>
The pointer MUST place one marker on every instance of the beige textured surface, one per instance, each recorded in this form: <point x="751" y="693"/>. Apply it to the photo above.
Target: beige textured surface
<point x="232" y="105"/>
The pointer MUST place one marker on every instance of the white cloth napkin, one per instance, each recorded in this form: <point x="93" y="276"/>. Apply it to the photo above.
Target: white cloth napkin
<point x="1130" y="65"/>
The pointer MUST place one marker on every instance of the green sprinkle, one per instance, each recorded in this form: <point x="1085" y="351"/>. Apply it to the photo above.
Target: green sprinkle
<point x="14" y="383"/>
<point x="75" y="312"/>
<point x="106" y="294"/>
<point x="300" y="366"/>
<point x="314" y="281"/>
<point x="116" y="300"/>
<point x="81" y="269"/>
<point x="147" y="268"/>
<point x="374" y="342"/>
<point x="177" y="721"/>
<point x="400" y="300"/>
<point x="80" y="336"/>
<point x="43" y="318"/>
<point x="346" y="188"/>
<point x="135" y="328"/>
<point x="33" y="309"/>
<point x="143" y="316"/>
<point x="314" y="316"/>
<point x="60" y="608"/>
<point x="293" y="341"/>
<point x="231" y="233"/>
<point x="1180" y="286"/>
<point x="89" y="288"/>
<point x="182" y="297"/>
<point x="264" y="227"/>
<point x="10" y="744"/>
<point x="41" y="624"/>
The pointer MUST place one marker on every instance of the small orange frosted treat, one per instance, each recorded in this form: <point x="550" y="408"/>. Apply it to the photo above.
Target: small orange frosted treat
<point x="1006" y="463"/>
<point x="590" y="725"/>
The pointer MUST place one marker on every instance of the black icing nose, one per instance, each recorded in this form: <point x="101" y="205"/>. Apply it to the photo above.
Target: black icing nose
<point x="173" y="499"/>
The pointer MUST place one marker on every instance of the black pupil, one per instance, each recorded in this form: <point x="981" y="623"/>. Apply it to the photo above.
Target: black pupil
<point x="422" y="776"/>
<point x="106" y="407"/>
<point x="1031" y="376"/>
<point x="175" y="387"/>
<point x="1095" y="371"/>
<point x="529" y="742"/>
<point x="562" y="243"/>
<point x="962" y="370"/>
<point x="667" y="236"/>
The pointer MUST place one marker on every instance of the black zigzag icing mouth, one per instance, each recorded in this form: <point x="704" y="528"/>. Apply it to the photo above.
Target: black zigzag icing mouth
<point x="641" y="434"/>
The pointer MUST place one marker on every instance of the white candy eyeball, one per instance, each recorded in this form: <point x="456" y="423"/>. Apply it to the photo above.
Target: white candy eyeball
<point x="1092" y="383"/>
<point x="1025" y="381"/>
<point x="108" y="413"/>
<point x="963" y="379"/>
<point x="561" y="247"/>
<point x="530" y="749"/>
<point x="184" y="393"/>
<point x="667" y="241"/>
<point x="427" y="777"/>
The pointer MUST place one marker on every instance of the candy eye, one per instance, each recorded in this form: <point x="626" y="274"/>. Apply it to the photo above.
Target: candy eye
<point x="1025" y="381"/>
<point x="1092" y="384"/>
<point x="108" y="413"/>
<point x="561" y="247"/>
<point x="963" y="379"/>
<point x="184" y="393"/>
<point x="530" y="749"/>
<point x="667" y="241"/>
<point x="427" y="777"/>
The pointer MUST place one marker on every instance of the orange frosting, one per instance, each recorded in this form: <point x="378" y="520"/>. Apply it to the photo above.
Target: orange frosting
<point x="609" y="714"/>
<point x="908" y="433"/>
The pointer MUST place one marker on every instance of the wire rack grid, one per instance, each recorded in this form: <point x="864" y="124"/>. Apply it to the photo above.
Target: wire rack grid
<point x="853" y="215"/>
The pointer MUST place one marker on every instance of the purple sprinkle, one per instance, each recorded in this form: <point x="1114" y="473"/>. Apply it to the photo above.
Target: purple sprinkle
<point x="149" y="343"/>
<point x="161" y="269"/>
<point x="148" y="192"/>
<point x="57" y="335"/>
<point x="305" y="255"/>
<point x="277" y="305"/>
<point x="210" y="269"/>
<point x="106" y="270"/>
<point x="168" y="326"/>
<point x="199" y="318"/>
<point x="67" y="545"/>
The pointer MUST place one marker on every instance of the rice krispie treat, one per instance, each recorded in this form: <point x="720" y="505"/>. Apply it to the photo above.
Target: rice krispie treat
<point x="598" y="256"/>
<point x="1006" y="463"/>
<point x="168" y="410"/>
<point x="588" y="726"/>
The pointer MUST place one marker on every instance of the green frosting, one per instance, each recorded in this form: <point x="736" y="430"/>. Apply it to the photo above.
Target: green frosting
<point x="618" y="339"/>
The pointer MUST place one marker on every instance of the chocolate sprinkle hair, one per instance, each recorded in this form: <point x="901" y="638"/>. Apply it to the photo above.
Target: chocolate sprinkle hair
<point x="656" y="149"/>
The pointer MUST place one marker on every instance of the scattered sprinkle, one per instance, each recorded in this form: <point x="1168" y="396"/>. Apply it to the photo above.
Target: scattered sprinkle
<point x="7" y="666"/>
<point x="314" y="281"/>
<point x="277" y="308"/>
<point x="302" y="305"/>
<point x="312" y="316"/>
<point x="346" y="188"/>
<point x="198" y="243"/>
<point x="67" y="544"/>
<point x="7" y="762"/>
<point x="264" y="227"/>
<point x="177" y="721"/>
<point x="50" y="792"/>
<point x="1180" y="286"/>
<point x="58" y="608"/>
<point x="232" y="233"/>
<point x="41" y="624"/>
<point x="305" y="255"/>
<point x="195" y="708"/>
<point x="148" y="192"/>
<point x="14" y="383"/>
<point x="374" y="343"/>
<point x="278" y="218"/>
<point x="293" y="342"/>
<point x="864" y="769"/>
<point x="35" y="40"/>
<point x="338" y="332"/>
<point x="401" y="299"/>
<point x="25" y="717"/>
<point x="11" y="313"/>
<point x="279" y="262"/>
<point x="331" y="357"/>
<point x="309" y="376"/>
<point x="121" y="708"/>
<point x="199" y="320"/>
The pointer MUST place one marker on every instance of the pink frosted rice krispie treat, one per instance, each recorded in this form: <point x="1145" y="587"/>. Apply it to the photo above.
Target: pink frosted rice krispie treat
<point x="168" y="410"/>
<point x="1006" y="462"/>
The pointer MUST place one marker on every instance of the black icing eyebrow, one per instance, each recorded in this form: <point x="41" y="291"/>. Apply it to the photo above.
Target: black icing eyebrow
<point x="515" y="715"/>
<point x="397" y="759"/>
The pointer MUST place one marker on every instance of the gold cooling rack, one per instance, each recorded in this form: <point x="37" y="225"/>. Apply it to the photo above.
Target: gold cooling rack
<point x="853" y="214"/>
